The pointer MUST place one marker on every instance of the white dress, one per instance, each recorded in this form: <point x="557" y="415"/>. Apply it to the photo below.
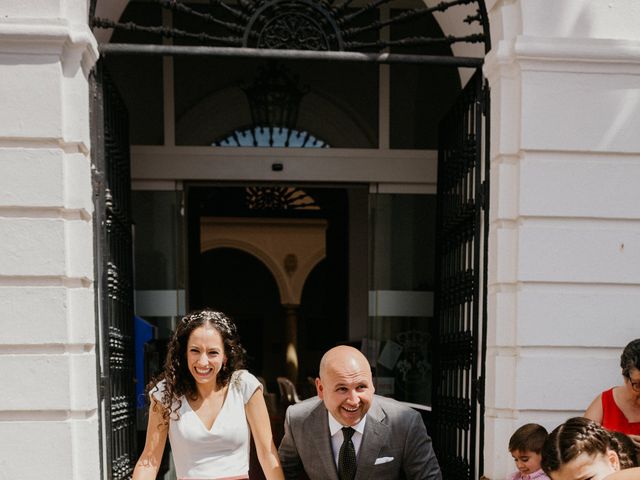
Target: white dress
<point x="222" y="451"/>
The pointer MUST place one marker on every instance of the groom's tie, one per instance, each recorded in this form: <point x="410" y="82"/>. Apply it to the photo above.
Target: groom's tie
<point x="347" y="456"/>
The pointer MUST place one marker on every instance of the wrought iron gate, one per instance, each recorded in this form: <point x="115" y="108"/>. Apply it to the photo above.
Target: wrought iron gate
<point x="462" y="233"/>
<point x="114" y="275"/>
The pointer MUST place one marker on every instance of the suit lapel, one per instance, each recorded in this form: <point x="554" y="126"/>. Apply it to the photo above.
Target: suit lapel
<point x="376" y="434"/>
<point x="317" y="426"/>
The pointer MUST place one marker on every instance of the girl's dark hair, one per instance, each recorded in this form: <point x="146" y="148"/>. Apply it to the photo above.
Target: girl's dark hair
<point x="630" y="357"/>
<point x="178" y="379"/>
<point x="576" y="436"/>
<point x="529" y="437"/>
<point x="625" y="448"/>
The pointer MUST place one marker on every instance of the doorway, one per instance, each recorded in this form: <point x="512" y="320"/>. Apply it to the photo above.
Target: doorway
<point x="274" y="257"/>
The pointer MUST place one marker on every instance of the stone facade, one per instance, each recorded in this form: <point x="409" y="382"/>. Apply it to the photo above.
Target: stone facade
<point x="48" y="407"/>
<point x="565" y="214"/>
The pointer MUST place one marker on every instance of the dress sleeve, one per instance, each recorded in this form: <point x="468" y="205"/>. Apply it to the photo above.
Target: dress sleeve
<point x="248" y="385"/>
<point x="157" y="391"/>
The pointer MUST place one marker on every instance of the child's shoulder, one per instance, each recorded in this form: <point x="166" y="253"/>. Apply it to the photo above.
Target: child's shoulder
<point x="537" y="475"/>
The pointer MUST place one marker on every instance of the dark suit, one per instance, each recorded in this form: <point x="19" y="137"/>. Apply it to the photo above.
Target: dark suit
<point x="395" y="444"/>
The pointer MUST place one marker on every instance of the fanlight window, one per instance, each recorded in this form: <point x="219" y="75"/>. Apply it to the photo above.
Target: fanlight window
<point x="270" y="137"/>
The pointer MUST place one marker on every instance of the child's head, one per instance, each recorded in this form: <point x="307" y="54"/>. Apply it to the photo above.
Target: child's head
<point x="580" y="448"/>
<point x="525" y="446"/>
<point x="626" y="450"/>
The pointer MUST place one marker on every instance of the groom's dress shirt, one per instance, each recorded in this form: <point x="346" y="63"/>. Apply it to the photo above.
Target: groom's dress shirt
<point x="337" y="437"/>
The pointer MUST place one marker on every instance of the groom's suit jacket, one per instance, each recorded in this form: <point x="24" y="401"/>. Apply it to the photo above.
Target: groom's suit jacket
<point x="395" y="444"/>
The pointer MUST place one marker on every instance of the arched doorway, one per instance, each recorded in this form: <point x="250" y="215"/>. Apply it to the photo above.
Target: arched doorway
<point x="239" y="284"/>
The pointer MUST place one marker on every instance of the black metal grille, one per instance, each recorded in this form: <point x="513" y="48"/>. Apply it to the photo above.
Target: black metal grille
<point x="300" y="24"/>
<point x="462" y="195"/>
<point x="246" y="27"/>
<point x="114" y="273"/>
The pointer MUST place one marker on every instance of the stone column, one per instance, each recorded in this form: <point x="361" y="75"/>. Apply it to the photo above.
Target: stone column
<point x="564" y="248"/>
<point x="48" y="406"/>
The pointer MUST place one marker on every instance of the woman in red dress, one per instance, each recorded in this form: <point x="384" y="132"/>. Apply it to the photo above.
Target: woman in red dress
<point x="618" y="408"/>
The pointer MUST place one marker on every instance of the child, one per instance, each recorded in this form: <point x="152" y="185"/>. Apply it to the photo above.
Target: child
<point x="581" y="448"/>
<point x="525" y="446"/>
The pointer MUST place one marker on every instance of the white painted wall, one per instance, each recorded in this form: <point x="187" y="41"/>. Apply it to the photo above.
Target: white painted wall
<point x="48" y="417"/>
<point x="564" y="265"/>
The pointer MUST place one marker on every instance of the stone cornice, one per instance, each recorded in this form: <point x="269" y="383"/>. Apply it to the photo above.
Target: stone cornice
<point x="585" y="55"/>
<point x="73" y="43"/>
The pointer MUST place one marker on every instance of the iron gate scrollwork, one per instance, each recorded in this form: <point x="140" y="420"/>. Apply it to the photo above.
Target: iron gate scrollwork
<point x="303" y="25"/>
<point x="462" y="227"/>
<point x="114" y="275"/>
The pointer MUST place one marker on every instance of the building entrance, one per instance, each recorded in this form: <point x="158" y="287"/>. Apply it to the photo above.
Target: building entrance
<point x="372" y="113"/>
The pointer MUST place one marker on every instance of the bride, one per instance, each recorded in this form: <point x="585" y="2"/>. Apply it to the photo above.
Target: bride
<point x="208" y="406"/>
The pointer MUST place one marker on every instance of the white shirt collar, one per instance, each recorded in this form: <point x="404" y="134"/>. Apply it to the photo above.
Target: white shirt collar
<point x="335" y="426"/>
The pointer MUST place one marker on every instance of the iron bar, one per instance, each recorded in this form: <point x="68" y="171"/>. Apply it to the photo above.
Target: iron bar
<point x="206" y="17"/>
<point x="408" y="15"/>
<point x="331" y="56"/>
<point x="236" y="13"/>
<point x="164" y="31"/>
<point x="417" y="41"/>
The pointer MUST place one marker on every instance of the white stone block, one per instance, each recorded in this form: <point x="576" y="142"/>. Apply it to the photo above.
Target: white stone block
<point x="32" y="246"/>
<point x="75" y="11"/>
<point x="32" y="9"/>
<point x="581" y="19"/>
<point x="86" y="448"/>
<point x="33" y="315"/>
<point x="79" y="234"/>
<point x="579" y="185"/>
<point x="43" y="379"/>
<point x="503" y="251"/>
<point x="501" y="378"/>
<point x="502" y="311"/>
<point x="505" y="189"/>
<point x="83" y="381"/>
<point x="548" y="419"/>
<point x="81" y="316"/>
<point x="577" y="378"/>
<point x="506" y="112"/>
<point x="31" y="177"/>
<point x="34" y="450"/>
<point x="44" y="177"/>
<point x="47" y="316"/>
<point x="78" y="193"/>
<point x="496" y="446"/>
<point x="579" y="251"/>
<point x="505" y="19"/>
<point x="574" y="315"/>
<point x="75" y="88"/>
<point x="30" y="96"/>
<point x="69" y="381"/>
<point x="595" y="112"/>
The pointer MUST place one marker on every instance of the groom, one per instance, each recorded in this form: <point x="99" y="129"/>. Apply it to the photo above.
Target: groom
<point x="349" y="433"/>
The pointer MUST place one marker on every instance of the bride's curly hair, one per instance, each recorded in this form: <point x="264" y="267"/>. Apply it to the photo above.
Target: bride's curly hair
<point x="178" y="380"/>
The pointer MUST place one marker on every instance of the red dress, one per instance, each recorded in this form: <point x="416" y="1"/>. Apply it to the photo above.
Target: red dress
<point x="614" y="419"/>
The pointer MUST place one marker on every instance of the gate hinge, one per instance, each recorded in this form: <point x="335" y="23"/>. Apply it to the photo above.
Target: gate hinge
<point x="483" y="195"/>
<point x="102" y="387"/>
<point x="479" y="384"/>
<point x="485" y="98"/>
